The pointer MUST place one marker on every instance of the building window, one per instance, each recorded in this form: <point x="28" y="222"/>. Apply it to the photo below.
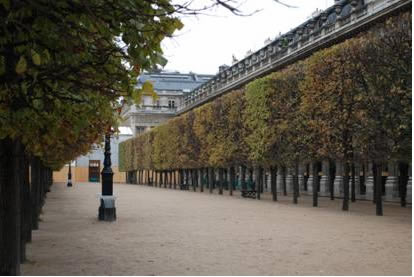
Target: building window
<point x="157" y="105"/>
<point x="139" y="129"/>
<point x="171" y="104"/>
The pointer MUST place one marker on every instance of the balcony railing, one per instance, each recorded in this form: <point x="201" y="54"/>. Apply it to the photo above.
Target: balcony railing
<point x="334" y="24"/>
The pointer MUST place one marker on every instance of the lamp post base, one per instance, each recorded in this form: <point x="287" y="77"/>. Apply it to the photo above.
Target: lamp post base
<point x="107" y="210"/>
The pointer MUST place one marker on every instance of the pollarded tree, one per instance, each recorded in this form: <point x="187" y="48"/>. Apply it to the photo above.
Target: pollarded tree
<point x="262" y="137"/>
<point x="332" y="103"/>
<point x="386" y="66"/>
<point x="290" y="142"/>
<point x="256" y="117"/>
<point x="236" y="151"/>
<point x="66" y="53"/>
<point x="202" y="129"/>
<point x="219" y="138"/>
<point x="160" y="147"/>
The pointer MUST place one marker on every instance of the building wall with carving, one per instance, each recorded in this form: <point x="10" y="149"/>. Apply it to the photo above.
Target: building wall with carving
<point x="171" y="88"/>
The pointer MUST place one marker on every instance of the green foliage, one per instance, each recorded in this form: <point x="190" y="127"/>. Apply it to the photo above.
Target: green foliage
<point x="64" y="65"/>
<point x="257" y="119"/>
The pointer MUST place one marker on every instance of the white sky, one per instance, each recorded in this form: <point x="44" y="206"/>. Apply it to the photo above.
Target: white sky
<point x="208" y="41"/>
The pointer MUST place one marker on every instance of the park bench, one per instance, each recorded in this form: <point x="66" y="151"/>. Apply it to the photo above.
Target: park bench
<point x="250" y="190"/>
<point x="184" y="187"/>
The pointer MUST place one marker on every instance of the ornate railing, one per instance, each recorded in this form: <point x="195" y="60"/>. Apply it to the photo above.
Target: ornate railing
<point x="344" y="19"/>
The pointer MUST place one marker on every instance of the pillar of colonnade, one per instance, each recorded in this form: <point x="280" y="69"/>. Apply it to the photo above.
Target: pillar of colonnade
<point x="324" y="184"/>
<point x="339" y="179"/>
<point x="310" y="178"/>
<point x="369" y="182"/>
<point x="289" y="179"/>
<point x="392" y="184"/>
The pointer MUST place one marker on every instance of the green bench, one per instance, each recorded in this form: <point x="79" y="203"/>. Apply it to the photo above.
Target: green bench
<point x="249" y="190"/>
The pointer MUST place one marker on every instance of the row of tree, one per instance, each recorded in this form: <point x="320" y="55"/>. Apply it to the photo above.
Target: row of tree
<point x="64" y="65"/>
<point x="350" y="102"/>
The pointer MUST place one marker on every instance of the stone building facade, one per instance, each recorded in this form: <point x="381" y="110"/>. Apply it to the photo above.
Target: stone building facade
<point x="88" y="168"/>
<point x="171" y="88"/>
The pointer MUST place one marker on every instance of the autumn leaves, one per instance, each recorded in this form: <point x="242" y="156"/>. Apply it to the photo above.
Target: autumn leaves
<point x="350" y="102"/>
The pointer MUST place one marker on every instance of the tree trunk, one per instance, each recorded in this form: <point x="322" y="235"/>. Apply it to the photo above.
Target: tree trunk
<point x="165" y="172"/>
<point x="225" y="185"/>
<point x="402" y="182"/>
<point x="273" y="182"/>
<point x="243" y="178"/>
<point x="210" y="179"/>
<point x="296" y="184"/>
<point x="378" y="188"/>
<point x="186" y="177"/>
<point x="345" y="203"/>
<point x="155" y="180"/>
<point x="35" y="192"/>
<point x="232" y="179"/>
<point x="375" y="177"/>
<point x="202" y="177"/>
<point x="353" y="183"/>
<point x="10" y="219"/>
<point x="284" y="180"/>
<point x="26" y="226"/>
<point x="258" y="179"/>
<point x="194" y="177"/>
<point x="220" y="180"/>
<point x="175" y="179"/>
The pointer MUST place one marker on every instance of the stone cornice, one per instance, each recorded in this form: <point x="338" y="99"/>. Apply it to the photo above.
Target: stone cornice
<point x="337" y="23"/>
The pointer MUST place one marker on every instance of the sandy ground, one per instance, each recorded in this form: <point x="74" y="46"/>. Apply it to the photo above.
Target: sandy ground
<point x="172" y="232"/>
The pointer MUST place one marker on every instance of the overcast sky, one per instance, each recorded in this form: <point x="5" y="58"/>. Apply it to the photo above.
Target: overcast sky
<point x="207" y="41"/>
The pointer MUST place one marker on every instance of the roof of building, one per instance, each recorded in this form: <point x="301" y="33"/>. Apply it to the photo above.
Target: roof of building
<point x="174" y="81"/>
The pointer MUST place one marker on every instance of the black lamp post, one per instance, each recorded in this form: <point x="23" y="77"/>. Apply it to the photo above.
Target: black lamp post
<point x="107" y="211"/>
<point x="70" y="175"/>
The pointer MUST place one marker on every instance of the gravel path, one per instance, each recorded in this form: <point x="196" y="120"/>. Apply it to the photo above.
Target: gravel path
<point x="172" y="232"/>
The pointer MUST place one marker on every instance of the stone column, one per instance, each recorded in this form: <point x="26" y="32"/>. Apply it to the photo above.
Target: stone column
<point x="266" y="178"/>
<point x="409" y="192"/>
<point x="339" y="179"/>
<point x="391" y="184"/>
<point x="357" y="179"/>
<point x="324" y="186"/>
<point x="256" y="178"/>
<point x="301" y="178"/>
<point x="279" y="179"/>
<point x="200" y="179"/>
<point x="289" y="179"/>
<point x="310" y="179"/>
<point x="369" y="182"/>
